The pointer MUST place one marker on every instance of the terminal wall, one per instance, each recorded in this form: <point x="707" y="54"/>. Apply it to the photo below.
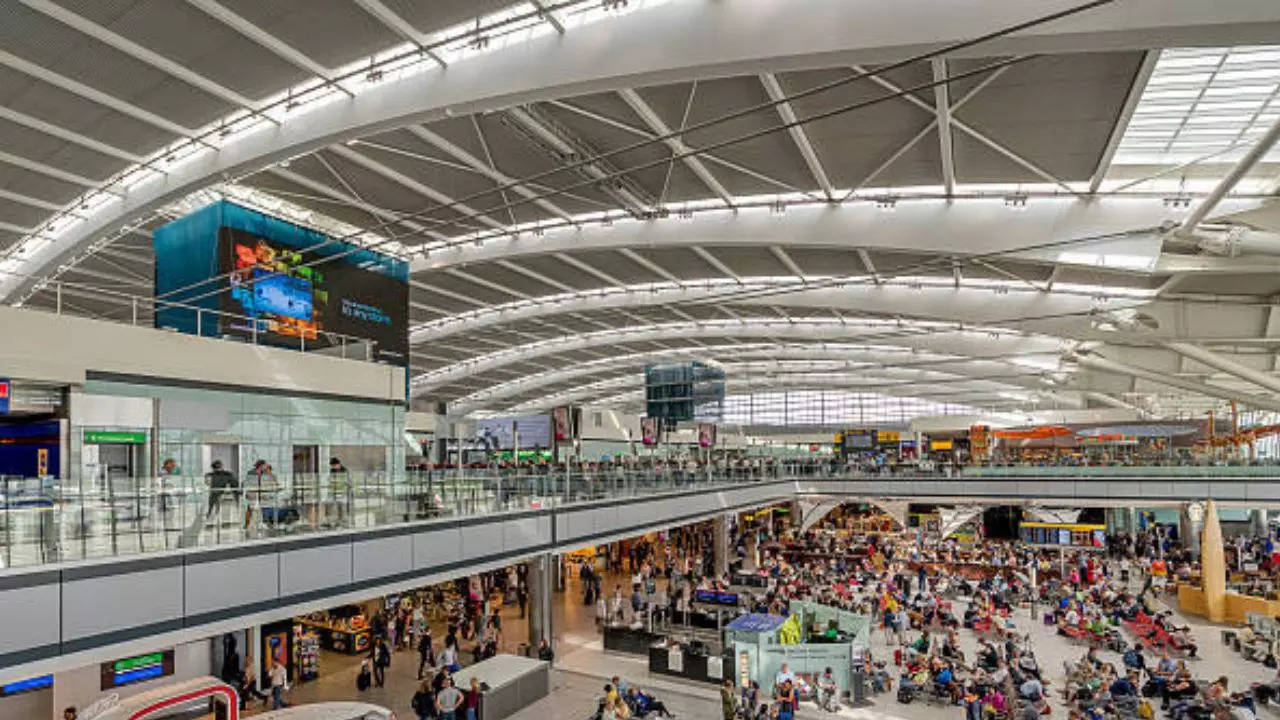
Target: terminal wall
<point x="65" y="349"/>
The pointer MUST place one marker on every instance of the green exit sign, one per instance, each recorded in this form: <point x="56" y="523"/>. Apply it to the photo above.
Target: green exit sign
<point x="137" y="662"/>
<point x="94" y="437"/>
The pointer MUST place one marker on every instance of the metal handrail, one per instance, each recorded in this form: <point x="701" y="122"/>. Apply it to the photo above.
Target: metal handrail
<point x="137" y="302"/>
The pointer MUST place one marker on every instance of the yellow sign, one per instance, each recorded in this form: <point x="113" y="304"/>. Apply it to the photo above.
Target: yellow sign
<point x="42" y="462"/>
<point x="886" y="437"/>
<point x="940" y="445"/>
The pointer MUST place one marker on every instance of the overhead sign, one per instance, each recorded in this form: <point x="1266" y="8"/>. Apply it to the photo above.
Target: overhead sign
<point x="109" y="437"/>
<point x="6" y="390"/>
<point x="127" y="671"/>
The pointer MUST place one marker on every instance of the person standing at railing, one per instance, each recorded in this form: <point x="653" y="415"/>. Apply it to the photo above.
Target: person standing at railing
<point x="168" y="468"/>
<point x="220" y="481"/>
<point x="339" y="491"/>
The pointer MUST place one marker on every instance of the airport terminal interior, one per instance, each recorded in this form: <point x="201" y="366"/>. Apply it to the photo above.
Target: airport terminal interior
<point x="612" y="359"/>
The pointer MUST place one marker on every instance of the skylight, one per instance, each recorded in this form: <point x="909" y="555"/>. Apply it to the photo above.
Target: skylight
<point x="1209" y="103"/>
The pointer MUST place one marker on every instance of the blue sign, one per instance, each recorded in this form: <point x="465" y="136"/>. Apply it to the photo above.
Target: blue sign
<point x="6" y="390"/>
<point x="28" y="685"/>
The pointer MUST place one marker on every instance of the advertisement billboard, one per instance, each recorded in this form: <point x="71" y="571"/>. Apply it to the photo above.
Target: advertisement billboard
<point x="499" y="433"/>
<point x="562" y="423"/>
<point x="706" y="435"/>
<point x="288" y="285"/>
<point x="650" y="430"/>
<point x="288" y="297"/>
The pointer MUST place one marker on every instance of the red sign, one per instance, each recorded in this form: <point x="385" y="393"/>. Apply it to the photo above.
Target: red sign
<point x="4" y="388"/>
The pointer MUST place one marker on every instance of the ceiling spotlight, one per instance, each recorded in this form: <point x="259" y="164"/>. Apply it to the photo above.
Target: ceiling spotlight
<point x="613" y="4"/>
<point x="1177" y="201"/>
<point x="778" y="207"/>
<point x="480" y="42"/>
<point x="684" y="214"/>
<point x="373" y="76"/>
<point x="886" y="203"/>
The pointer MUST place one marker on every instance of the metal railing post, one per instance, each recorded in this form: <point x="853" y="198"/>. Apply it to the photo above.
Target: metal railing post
<point x="134" y="308"/>
<point x="58" y="297"/>
<point x="200" y="322"/>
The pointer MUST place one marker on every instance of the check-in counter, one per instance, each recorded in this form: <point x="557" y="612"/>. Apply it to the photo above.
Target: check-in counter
<point x="633" y="641"/>
<point x="682" y="662"/>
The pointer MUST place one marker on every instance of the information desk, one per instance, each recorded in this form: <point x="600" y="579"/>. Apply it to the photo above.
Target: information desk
<point x="337" y="638"/>
<point x="512" y="682"/>
<point x="682" y="662"/>
<point x="635" y="641"/>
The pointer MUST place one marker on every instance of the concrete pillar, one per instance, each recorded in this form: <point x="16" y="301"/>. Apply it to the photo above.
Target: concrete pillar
<point x="720" y="544"/>
<point x="1132" y="518"/>
<point x="1213" y="564"/>
<point x="751" y="562"/>
<point x="1189" y="529"/>
<point x="539" y="579"/>
<point x="1258" y="522"/>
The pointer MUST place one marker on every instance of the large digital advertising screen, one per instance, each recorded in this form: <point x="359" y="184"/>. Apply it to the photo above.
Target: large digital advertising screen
<point x="228" y="270"/>
<point x="500" y="433"/>
<point x="293" y="299"/>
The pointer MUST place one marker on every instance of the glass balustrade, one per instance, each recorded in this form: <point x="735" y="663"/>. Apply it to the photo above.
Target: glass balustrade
<point x="47" y="520"/>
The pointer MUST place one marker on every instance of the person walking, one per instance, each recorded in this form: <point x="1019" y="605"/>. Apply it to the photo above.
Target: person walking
<point x="522" y="598"/>
<point x="248" y="686"/>
<point x="448" y="700"/>
<point x="424" y="701"/>
<point x="381" y="661"/>
<point x="426" y="653"/>
<point x="279" y="684"/>
<point x="727" y="700"/>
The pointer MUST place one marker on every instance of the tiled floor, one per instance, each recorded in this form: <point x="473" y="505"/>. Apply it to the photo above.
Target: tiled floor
<point x="583" y="667"/>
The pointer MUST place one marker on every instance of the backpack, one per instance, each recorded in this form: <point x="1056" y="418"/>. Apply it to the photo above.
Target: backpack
<point x="363" y="680"/>
<point x="1145" y="710"/>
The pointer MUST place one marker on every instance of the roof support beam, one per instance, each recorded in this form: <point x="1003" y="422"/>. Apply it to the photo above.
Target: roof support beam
<point x="1122" y="122"/>
<point x="534" y="275"/>
<point x="32" y="201"/>
<point x="75" y="87"/>
<point x="708" y="156"/>
<point x="350" y="200"/>
<point x="400" y="26"/>
<point x="1096" y="362"/>
<point x="1233" y="177"/>
<point x="283" y="50"/>
<point x="865" y="257"/>
<point x="487" y="283"/>
<point x="787" y="262"/>
<point x="798" y="135"/>
<point x="486" y="169"/>
<point x="675" y="144"/>
<point x="429" y="288"/>
<point x="407" y="182"/>
<point x="590" y="269"/>
<point x="548" y="15"/>
<point x="550" y="66"/>
<point x="62" y="133"/>
<point x="49" y="170"/>
<point x="1226" y="365"/>
<point x="716" y="263"/>
<point x="942" y="109"/>
<point x="920" y="135"/>
<point x="139" y="52"/>
<point x="969" y="130"/>
<point x="649" y="265"/>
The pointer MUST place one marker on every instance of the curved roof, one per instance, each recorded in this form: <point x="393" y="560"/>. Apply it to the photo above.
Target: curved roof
<point x="584" y="187"/>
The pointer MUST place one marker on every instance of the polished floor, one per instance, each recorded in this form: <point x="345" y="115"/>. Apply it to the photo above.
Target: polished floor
<point x="582" y="667"/>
